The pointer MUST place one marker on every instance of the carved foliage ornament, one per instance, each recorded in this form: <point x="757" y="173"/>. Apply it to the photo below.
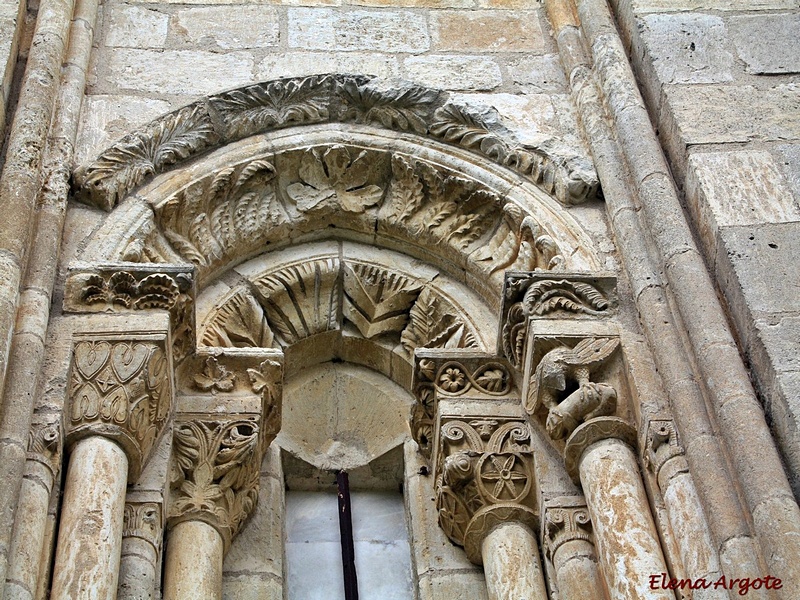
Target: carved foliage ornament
<point x="527" y="295"/>
<point x="44" y="441"/>
<point x="120" y="389"/>
<point x="309" y="298"/>
<point x="144" y="520"/>
<point x="565" y="524"/>
<point x="216" y="471"/>
<point x="254" y="109"/>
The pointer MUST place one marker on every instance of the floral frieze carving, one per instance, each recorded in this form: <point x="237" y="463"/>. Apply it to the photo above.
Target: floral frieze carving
<point x="128" y="287"/>
<point x="255" y="109"/>
<point x="454" y="374"/>
<point x="484" y="476"/>
<point x="121" y="389"/>
<point x="536" y="295"/>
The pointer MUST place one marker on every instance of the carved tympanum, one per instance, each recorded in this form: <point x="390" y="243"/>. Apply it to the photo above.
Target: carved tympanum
<point x="484" y="475"/>
<point x="259" y="108"/>
<point x="563" y="367"/>
<point x="120" y="389"/>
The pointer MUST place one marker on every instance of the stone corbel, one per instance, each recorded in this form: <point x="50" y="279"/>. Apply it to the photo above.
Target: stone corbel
<point x="544" y="295"/>
<point x="464" y="374"/>
<point x="228" y="413"/>
<point x="125" y="287"/>
<point x="121" y="384"/>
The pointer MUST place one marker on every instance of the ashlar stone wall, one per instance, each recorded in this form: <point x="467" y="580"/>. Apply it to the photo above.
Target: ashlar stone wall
<point x="722" y="81"/>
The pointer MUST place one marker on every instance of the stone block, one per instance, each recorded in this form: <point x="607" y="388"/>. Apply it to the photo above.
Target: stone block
<point x="296" y="64"/>
<point x="221" y="27"/>
<point x="451" y="72"/>
<point x="687" y="48"/>
<point x="721" y="114"/>
<point x="383" y="31"/>
<point x="649" y="6"/>
<point x="487" y="31"/>
<point x="757" y="268"/>
<point x="178" y="71"/>
<point x="538" y="74"/>
<point x="767" y="43"/>
<point x="132" y="26"/>
<point x="105" y="119"/>
<point x="248" y="586"/>
<point x="415" y="3"/>
<point x="781" y="339"/>
<point x="739" y="188"/>
<point x="789" y="160"/>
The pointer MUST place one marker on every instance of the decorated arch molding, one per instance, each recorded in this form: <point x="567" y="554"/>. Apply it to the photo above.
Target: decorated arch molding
<point x="425" y="113"/>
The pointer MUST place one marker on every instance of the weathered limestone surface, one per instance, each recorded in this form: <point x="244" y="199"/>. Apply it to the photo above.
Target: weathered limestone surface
<point x="767" y="43"/>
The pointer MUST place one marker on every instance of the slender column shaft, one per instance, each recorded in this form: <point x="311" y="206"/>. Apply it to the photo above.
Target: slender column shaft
<point x="137" y="570"/>
<point x="511" y="564"/>
<point x="29" y="532"/>
<point x="577" y="575"/>
<point x="90" y="532"/>
<point x="194" y="562"/>
<point x="625" y="533"/>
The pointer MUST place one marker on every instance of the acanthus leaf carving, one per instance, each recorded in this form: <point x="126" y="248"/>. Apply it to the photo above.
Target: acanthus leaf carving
<point x="407" y="108"/>
<point x="377" y="301"/>
<point x="120" y="389"/>
<point x="333" y="178"/>
<point x="144" y="520"/>
<point x="216" y="471"/>
<point x="214" y="377"/>
<point x="140" y="154"/>
<point x="264" y="106"/>
<point x="227" y="213"/>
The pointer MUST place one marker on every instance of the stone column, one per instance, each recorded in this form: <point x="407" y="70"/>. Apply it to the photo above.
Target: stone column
<point x="511" y="563"/>
<point x="568" y="539"/>
<point x="600" y="453"/>
<point x="666" y="459"/>
<point x="41" y="469"/>
<point x="141" y="545"/>
<point x="119" y="401"/>
<point x="219" y="441"/>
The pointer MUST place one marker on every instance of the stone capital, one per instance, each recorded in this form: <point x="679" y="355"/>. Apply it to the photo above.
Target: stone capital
<point x="120" y="386"/>
<point x="664" y="454"/>
<point x="564" y="520"/>
<point x="45" y="442"/>
<point x="591" y="432"/>
<point x="144" y="519"/>
<point x="484" y="476"/>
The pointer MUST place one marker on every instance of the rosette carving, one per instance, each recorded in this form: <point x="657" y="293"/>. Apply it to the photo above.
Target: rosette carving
<point x="216" y="471"/>
<point x="484" y="468"/>
<point x="120" y="389"/>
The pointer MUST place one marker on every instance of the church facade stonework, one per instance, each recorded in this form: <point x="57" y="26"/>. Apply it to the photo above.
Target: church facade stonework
<point x="519" y="273"/>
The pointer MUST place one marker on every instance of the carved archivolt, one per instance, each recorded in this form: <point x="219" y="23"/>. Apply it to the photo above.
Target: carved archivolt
<point x="292" y="302"/>
<point x="257" y="109"/>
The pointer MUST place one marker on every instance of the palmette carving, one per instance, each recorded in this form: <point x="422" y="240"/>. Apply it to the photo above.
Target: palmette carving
<point x="121" y="390"/>
<point x="262" y="107"/>
<point x="166" y="141"/>
<point x="144" y="520"/>
<point x="239" y="322"/>
<point x="377" y="301"/>
<point x="222" y="214"/>
<point x="432" y="325"/>
<point x="216" y="471"/>
<point x="563" y="365"/>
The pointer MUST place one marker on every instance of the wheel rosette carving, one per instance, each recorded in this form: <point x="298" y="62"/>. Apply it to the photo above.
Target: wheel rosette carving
<point x="503" y="477"/>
